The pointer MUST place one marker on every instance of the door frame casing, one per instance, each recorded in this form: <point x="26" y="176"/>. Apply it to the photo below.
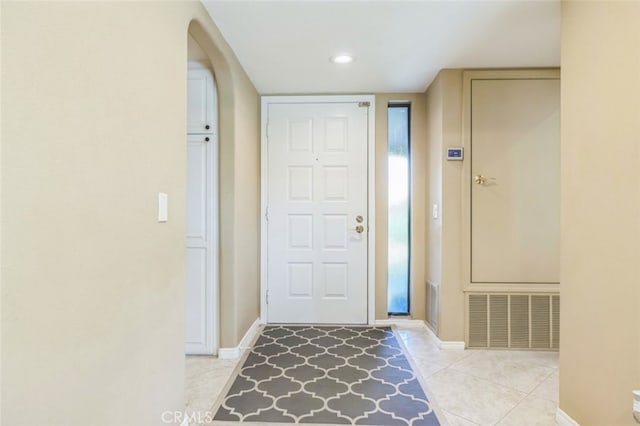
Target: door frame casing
<point x="467" y="78"/>
<point x="264" y="185"/>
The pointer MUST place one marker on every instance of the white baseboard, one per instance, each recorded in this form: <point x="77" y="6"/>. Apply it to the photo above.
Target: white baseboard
<point x="446" y="344"/>
<point x="399" y="321"/>
<point x="229" y="353"/>
<point x="236" y="351"/>
<point x="563" y="419"/>
<point x="450" y="344"/>
<point x="441" y="344"/>
<point x="250" y="334"/>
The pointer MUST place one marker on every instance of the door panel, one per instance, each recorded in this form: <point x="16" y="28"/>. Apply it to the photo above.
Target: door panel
<point x="200" y="102"/>
<point x="196" y="190"/>
<point x="317" y="186"/>
<point x="199" y="298"/>
<point x="196" y="296"/>
<point x="515" y="187"/>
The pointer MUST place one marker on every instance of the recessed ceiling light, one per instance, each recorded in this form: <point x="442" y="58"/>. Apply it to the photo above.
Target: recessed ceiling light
<point x="342" y="59"/>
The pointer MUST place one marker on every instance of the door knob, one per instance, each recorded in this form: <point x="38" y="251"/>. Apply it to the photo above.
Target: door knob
<point x="479" y="179"/>
<point x="359" y="229"/>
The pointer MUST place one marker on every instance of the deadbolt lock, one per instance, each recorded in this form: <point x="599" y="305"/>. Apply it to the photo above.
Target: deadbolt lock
<point x="359" y="219"/>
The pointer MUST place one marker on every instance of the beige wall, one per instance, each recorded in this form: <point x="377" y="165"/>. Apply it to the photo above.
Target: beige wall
<point x="246" y="285"/>
<point x="196" y="54"/>
<point x="434" y="97"/>
<point x="93" y="128"/>
<point x="418" y="201"/>
<point x="444" y="235"/>
<point x="600" y="227"/>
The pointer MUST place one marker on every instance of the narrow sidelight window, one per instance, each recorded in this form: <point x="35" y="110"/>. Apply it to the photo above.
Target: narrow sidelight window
<point x="398" y="180"/>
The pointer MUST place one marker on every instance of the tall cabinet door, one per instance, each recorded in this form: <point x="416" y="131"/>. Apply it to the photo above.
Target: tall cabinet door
<point x="515" y="181"/>
<point x="202" y="217"/>
<point x="200" y="102"/>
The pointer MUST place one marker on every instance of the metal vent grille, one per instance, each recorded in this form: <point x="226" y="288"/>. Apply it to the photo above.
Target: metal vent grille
<point x="540" y="322"/>
<point x="499" y="324"/>
<point x="519" y="321"/>
<point x="478" y="315"/>
<point x="555" y="322"/>
<point x="515" y="321"/>
<point x="432" y="305"/>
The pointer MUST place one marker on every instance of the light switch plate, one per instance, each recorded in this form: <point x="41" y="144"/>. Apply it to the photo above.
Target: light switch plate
<point x="163" y="207"/>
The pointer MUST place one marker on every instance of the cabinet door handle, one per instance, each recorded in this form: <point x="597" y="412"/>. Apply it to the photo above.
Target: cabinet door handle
<point x="207" y="127"/>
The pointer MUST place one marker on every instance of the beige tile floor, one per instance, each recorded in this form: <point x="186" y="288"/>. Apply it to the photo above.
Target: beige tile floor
<point x="469" y="387"/>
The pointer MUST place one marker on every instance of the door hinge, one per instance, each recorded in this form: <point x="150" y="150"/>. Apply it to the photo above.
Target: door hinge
<point x="364" y="104"/>
<point x="267" y="297"/>
<point x="266" y="214"/>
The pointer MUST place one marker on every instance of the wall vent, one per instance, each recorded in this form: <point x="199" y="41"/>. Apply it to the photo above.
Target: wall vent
<point x="432" y="305"/>
<point x="513" y="321"/>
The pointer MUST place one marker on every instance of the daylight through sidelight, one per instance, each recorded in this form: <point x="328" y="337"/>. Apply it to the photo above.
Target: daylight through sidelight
<point x="398" y="178"/>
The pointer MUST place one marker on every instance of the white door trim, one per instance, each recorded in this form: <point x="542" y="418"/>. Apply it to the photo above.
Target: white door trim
<point x="265" y="101"/>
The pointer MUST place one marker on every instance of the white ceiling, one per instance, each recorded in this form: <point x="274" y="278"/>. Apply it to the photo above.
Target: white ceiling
<point x="285" y="46"/>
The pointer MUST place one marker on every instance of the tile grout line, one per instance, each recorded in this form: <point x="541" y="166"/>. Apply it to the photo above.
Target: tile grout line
<point x="540" y="384"/>
<point x="523" y="398"/>
<point x="490" y="381"/>
<point x="526" y="394"/>
<point x="500" y="384"/>
<point x="463" y="417"/>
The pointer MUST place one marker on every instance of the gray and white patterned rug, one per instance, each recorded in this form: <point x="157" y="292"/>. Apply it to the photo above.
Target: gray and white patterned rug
<point x="329" y="375"/>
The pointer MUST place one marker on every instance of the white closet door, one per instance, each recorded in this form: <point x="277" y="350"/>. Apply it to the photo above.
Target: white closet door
<point x="200" y="102"/>
<point x="202" y="217"/>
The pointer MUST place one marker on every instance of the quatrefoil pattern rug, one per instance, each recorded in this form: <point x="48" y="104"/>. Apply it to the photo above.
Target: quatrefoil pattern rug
<point x="329" y="375"/>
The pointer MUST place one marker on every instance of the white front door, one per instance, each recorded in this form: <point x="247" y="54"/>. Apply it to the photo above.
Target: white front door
<point x="201" y="223"/>
<point x="317" y="224"/>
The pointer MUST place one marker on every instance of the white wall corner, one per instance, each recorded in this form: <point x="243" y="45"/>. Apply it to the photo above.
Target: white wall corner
<point x="236" y="351"/>
<point x="563" y="419"/>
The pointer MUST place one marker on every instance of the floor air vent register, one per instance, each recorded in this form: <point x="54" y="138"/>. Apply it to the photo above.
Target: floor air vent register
<point x="513" y="321"/>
